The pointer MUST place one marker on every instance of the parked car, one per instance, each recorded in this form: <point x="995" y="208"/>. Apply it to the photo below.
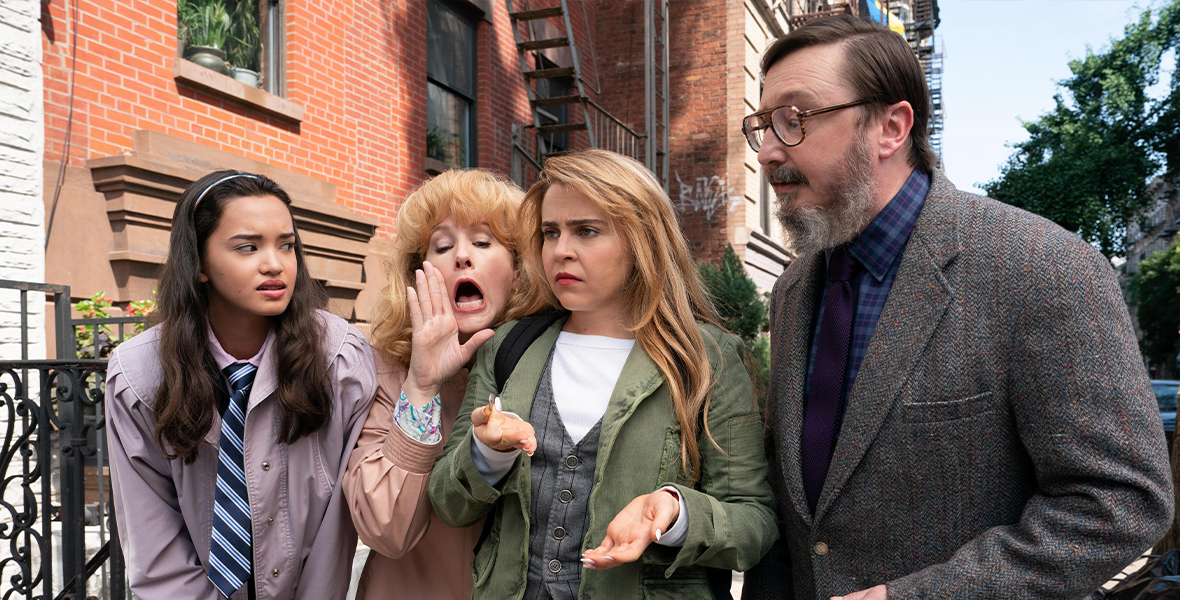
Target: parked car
<point x="1166" y="391"/>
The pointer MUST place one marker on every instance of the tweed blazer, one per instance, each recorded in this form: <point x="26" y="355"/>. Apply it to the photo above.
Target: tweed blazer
<point x="1001" y="439"/>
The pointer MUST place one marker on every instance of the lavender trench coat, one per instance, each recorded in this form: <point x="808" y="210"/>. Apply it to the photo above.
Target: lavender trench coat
<point x="303" y="536"/>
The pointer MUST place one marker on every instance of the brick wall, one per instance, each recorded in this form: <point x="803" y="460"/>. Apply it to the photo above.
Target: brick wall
<point x="22" y="253"/>
<point x="699" y="130"/>
<point x="356" y="67"/>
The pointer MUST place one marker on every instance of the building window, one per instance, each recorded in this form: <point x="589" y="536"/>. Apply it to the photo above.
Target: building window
<point x="450" y="85"/>
<point x="238" y="38"/>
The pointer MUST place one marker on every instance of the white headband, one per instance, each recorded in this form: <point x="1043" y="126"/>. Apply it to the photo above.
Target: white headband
<point x="214" y="184"/>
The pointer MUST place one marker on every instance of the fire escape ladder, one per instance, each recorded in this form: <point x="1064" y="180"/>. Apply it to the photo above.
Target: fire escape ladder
<point x="562" y="109"/>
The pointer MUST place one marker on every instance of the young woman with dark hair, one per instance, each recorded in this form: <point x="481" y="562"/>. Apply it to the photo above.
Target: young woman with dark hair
<point x="231" y="420"/>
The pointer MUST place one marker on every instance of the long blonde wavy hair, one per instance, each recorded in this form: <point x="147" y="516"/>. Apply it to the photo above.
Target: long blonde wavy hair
<point x="468" y="197"/>
<point x="663" y="298"/>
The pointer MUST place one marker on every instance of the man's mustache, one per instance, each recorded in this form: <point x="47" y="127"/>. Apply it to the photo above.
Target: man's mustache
<point x="784" y="175"/>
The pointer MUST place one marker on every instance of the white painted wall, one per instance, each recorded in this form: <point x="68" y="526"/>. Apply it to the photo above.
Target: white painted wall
<point x="22" y="143"/>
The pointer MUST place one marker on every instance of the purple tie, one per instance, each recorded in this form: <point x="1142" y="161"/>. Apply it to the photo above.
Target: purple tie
<point x="825" y="395"/>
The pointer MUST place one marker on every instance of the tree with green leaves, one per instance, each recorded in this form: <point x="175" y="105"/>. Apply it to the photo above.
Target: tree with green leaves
<point x="743" y="311"/>
<point x="1157" y="291"/>
<point x="742" y="308"/>
<point x="1087" y="163"/>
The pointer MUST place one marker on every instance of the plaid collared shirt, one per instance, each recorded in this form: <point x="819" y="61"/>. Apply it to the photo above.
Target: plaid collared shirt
<point x="878" y="249"/>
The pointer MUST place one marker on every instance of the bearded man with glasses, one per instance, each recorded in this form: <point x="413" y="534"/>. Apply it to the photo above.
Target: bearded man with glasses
<point x="957" y="405"/>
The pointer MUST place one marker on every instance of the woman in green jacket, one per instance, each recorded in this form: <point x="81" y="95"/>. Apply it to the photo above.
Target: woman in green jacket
<point x="643" y="460"/>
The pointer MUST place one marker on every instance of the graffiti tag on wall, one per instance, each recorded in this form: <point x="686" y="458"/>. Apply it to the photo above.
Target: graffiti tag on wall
<point x="706" y="194"/>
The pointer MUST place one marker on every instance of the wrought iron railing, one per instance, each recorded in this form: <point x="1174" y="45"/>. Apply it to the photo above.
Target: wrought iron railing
<point x="609" y="133"/>
<point x="58" y="535"/>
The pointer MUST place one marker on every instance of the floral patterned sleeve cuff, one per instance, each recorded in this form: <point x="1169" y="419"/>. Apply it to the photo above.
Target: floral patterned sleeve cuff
<point x="421" y="424"/>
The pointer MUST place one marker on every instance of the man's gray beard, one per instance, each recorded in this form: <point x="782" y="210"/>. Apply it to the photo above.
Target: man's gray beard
<point x="842" y="217"/>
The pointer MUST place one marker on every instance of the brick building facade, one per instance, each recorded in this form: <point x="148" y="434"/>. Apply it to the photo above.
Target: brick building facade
<point x="341" y="121"/>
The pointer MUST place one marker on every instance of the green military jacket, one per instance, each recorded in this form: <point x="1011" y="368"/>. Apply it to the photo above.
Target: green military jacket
<point x="731" y="520"/>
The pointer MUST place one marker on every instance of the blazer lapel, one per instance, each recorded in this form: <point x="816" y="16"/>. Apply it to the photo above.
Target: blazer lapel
<point x="917" y="302"/>
<point x="791" y="345"/>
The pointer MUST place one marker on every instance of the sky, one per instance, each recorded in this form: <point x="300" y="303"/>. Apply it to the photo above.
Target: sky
<point x="1002" y="59"/>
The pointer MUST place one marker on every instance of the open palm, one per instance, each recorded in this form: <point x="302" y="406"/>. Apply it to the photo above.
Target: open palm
<point x="436" y="353"/>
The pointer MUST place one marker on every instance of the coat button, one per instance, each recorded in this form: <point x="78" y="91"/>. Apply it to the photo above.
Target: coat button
<point x="571" y="461"/>
<point x="559" y="533"/>
<point x="820" y="549"/>
<point x="265" y="466"/>
<point x="565" y="496"/>
<point x="275" y="572"/>
<point x="554" y="566"/>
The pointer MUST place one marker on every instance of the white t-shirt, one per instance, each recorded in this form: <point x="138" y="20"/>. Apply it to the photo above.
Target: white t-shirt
<point x="585" y="371"/>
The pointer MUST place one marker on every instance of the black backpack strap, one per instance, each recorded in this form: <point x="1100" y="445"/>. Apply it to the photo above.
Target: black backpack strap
<point x="519" y="338"/>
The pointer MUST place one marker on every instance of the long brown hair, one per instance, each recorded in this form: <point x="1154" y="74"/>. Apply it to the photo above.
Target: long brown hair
<point x="469" y="197"/>
<point x="664" y="296"/>
<point x="186" y="400"/>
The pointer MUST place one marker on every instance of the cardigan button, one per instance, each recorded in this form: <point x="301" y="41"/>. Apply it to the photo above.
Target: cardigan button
<point x="820" y="549"/>
<point x="554" y="566"/>
<point x="571" y="461"/>
<point x="559" y="533"/>
<point x="265" y="466"/>
<point x="565" y="496"/>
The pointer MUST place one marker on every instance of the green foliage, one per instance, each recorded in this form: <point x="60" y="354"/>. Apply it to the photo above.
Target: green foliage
<point x="243" y="48"/>
<point x="95" y="308"/>
<point x="1157" y="291"/>
<point x="203" y="22"/>
<point x="1087" y="162"/>
<point x="742" y="308"/>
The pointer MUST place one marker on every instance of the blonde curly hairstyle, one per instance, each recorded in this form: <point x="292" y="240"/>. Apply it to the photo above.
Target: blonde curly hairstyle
<point x="468" y="197"/>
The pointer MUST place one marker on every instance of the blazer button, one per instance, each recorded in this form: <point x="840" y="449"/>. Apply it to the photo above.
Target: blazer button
<point x="265" y="466"/>
<point x="565" y="496"/>
<point x="275" y="572"/>
<point x="820" y="548"/>
<point x="559" y="533"/>
<point x="571" y="461"/>
<point x="554" y="566"/>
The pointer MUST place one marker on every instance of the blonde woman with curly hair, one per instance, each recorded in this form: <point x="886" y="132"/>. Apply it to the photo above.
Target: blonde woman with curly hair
<point x="644" y="462"/>
<point x="452" y="276"/>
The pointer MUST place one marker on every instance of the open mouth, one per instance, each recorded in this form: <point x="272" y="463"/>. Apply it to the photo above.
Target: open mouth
<point x="468" y="296"/>
<point x="272" y="289"/>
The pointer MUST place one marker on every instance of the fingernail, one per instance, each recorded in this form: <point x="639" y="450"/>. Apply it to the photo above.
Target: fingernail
<point x="498" y="405"/>
<point x="609" y="558"/>
<point x="658" y="534"/>
<point x="587" y="562"/>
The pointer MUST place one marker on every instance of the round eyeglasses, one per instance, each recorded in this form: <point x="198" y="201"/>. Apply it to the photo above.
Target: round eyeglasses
<point x="786" y="121"/>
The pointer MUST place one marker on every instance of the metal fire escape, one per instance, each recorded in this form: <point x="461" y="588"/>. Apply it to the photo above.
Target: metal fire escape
<point x="920" y="34"/>
<point x="565" y="116"/>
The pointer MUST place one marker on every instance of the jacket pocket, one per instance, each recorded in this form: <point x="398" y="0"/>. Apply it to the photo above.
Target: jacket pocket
<point x="676" y="588"/>
<point x="481" y="567"/>
<point x="670" y="468"/>
<point x="948" y="410"/>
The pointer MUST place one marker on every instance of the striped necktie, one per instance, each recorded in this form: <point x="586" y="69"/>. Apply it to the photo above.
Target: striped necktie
<point x="231" y="550"/>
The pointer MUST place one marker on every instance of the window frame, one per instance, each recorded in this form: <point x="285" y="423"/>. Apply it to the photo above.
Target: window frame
<point x="471" y="160"/>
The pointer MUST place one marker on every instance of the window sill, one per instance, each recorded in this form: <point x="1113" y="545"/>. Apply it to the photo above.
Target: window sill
<point x="436" y="167"/>
<point x="188" y="72"/>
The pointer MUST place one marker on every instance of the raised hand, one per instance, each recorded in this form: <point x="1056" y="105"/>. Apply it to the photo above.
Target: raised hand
<point x="436" y="353"/>
<point x="640" y="523"/>
<point x="501" y="430"/>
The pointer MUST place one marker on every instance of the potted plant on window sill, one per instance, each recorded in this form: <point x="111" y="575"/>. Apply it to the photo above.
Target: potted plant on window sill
<point x="244" y="44"/>
<point x="204" y="27"/>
